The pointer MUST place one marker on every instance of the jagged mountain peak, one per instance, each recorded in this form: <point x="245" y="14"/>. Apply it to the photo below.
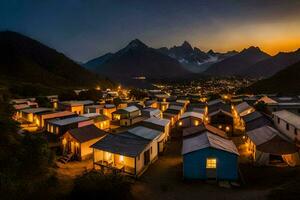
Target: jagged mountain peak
<point x="136" y="43"/>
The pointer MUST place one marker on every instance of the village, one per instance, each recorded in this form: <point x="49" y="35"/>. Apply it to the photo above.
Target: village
<point x="194" y="136"/>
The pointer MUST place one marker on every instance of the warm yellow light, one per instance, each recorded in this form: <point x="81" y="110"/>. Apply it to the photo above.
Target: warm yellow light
<point x="227" y="128"/>
<point x="121" y="158"/>
<point x="64" y="141"/>
<point x="220" y="126"/>
<point x="196" y="123"/>
<point x="180" y="123"/>
<point x="211" y="163"/>
<point x="98" y="88"/>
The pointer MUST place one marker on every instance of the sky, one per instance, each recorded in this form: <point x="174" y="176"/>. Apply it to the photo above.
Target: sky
<point x="85" y="29"/>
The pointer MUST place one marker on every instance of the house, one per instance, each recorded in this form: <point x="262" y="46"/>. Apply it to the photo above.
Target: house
<point x="94" y="109"/>
<point x="42" y="118"/>
<point x="157" y="137"/>
<point x="108" y="109"/>
<point x="221" y="117"/>
<point x="274" y="104"/>
<point x="288" y="123"/>
<point x="19" y="104"/>
<point x="255" y="120"/>
<point x="100" y="121"/>
<point x="60" y="126"/>
<point x="158" y="124"/>
<point x="177" y="107"/>
<point x="127" y="116"/>
<point x="267" y="146"/>
<point x="172" y="115"/>
<point x="163" y="106"/>
<point x="123" y="152"/>
<point x="78" y="141"/>
<point x="209" y="156"/>
<point x="243" y="109"/>
<point x="74" y="106"/>
<point x="189" y="119"/>
<point x="151" y="104"/>
<point x="30" y="114"/>
<point x="152" y="112"/>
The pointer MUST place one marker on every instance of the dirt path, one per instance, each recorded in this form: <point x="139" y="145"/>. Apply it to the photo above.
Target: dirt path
<point x="163" y="180"/>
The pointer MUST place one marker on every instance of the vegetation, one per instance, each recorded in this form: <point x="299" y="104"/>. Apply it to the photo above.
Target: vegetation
<point x="96" y="185"/>
<point x="25" y="160"/>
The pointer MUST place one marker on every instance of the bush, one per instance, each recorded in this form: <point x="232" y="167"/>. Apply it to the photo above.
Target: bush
<point x="96" y="185"/>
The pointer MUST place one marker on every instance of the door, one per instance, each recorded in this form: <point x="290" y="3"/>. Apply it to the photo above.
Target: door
<point x="146" y="157"/>
<point x="211" y="168"/>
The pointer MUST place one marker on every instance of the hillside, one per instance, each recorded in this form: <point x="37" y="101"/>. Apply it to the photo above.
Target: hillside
<point x="25" y="60"/>
<point x="286" y="81"/>
<point x="237" y="64"/>
<point x="137" y="59"/>
<point x="270" y="66"/>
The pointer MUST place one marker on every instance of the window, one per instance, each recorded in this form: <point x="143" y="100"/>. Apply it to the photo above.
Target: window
<point x="278" y="121"/>
<point x="287" y="126"/>
<point x="211" y="163"/>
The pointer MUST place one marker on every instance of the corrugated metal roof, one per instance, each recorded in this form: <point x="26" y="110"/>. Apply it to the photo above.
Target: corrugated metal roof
<point x="36" y="110"/>
<point x="192" y="114"/>
<point x="289" y="117"/>
<point x="67" y="121"/>
<point x="242" y="107"/>
<point x="131" y="108"/>
<point x="144" y="132"/>
<point x="160" y="122"/>
<point x="261" y="135"/>
<point x="205" y="140"/>
<point x="123" y="143"/>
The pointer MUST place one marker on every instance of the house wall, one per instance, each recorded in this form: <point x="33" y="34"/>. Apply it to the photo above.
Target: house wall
<point x="108" y="112"/>
<point x="293" y="133"/>
<point x="194" y="164"/>
<point x="189" y="122"/>
<point x="103" y="125"/>
<point x="140" y="159"/>
<point x="85" y="150"/>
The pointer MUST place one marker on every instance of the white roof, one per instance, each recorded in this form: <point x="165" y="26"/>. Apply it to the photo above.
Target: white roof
<point x="144" y="132"/>
<point x="205" y="140"/>
<point x="192" y="114"/>
<point x="71" y="120"/>
<point x="289" y="117"/>
<point x="160" y="122"/>
<point x="261" y="135"/>
<point x="130" y="108"/>
<point x="242" y="107"/>
<point x="90" y="115"/>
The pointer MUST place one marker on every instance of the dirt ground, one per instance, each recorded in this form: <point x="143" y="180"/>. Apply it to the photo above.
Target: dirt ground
<point x="163" y="180"/>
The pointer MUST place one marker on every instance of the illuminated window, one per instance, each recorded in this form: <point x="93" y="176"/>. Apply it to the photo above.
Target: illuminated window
<point x="211" y="163"/>
<point x="196" y="123"/>
<point x="180" y="123"/>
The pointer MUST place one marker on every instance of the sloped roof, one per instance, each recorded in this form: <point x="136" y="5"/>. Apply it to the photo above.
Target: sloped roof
<point x="196" y="130"/>
<point x="36" y="110"/>
<point x="192" y="114"/>
<point x="270" y="140"/>
<point x="289" y="117"/>
<point x="213" y="102"/>
<point x="144" y="132"/>
<point x="174" y="107"/>
<point x="86" y="133"/>
<point x="160" y="122"/>
<point x="70" y="120"/>
<point x="242" y="107"/>
<point x="205" y="140"/>
<point x="57" y="114"/>
<point x="131" y="108"/>
<point x="123" y="143"/>
<point x="252" y="116"/>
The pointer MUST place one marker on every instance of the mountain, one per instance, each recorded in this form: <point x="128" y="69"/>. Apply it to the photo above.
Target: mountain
<point x="270" y="66"/>
<point x="238" y="63"/>
<point x="26" y="60"/>
<point x="193" y="59"/>
<point x="286" y="81"/>
<point x="94" y="63"/>
<point x="137" y="59"/>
